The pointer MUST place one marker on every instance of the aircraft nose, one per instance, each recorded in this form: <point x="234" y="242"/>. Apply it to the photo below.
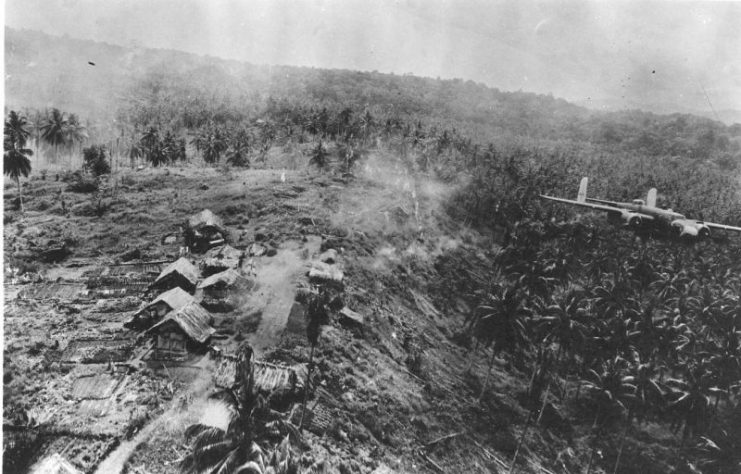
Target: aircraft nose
<point x="689" y="230"/>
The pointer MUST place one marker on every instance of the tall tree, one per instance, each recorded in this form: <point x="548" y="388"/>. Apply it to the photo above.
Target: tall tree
<point x="316" y="314"/>
<point x="54" y="130"/>
<point x="319" y="156"/>
<point x="215" y="450"/>
<point x="15" y="158"/>
<point x="500" y="322"/>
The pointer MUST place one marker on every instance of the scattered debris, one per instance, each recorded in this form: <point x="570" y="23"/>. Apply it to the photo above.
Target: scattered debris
<point x="54" y="464"/>
<point x="53" y="291"/>
<point x="96" y="386"/>
<point x="221" y="258"/>
<point x="137" y="270"/>
<point x="318" y="419"/>
<point x="351" y="318"/>
<point x="169" y="239"/>
<point x="269" y="377"/>
<point x="97" y="350"/>
<point x="256" y="250"/>
<point x="329" y="256"/>
<point x="323" y="272"/>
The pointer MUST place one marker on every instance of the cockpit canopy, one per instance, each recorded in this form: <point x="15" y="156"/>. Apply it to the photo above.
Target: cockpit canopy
<point x="640" y="202"/>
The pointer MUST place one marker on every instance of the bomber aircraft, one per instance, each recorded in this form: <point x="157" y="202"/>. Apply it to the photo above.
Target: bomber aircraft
<point x="644" y="216"/>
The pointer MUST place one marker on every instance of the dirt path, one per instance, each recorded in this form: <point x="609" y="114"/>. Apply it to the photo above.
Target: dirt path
<point x="116" y="460"/>
<point x="276" y="279"/>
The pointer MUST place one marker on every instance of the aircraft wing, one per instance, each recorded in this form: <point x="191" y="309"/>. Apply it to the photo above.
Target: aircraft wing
<point x="602" y="201"/>
<point x="589" y="205"/>
<point x="722" y="227"/>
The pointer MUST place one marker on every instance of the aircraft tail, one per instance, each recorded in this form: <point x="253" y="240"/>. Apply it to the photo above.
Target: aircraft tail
<point x="651" y="198"/>
<point x="582" y="196"/>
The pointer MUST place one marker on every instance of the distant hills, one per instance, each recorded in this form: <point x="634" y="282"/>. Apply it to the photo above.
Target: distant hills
<point x="114" y="87"/>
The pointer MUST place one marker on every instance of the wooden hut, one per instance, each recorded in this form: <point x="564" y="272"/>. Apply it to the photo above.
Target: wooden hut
<point x="170" y="300"/>
<point x="218" y="285"/>
<point x="204" y="231"/>
<point x="180" y="273"/>
<point x="221" y="258"/>
<point x="186" y="330"/>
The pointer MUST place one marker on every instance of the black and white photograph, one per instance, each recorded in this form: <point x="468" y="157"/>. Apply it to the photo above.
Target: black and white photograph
<point x="371" y="237"/>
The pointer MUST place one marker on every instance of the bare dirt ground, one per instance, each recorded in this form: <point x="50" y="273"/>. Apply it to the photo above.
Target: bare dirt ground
<point x="276" y="282"/>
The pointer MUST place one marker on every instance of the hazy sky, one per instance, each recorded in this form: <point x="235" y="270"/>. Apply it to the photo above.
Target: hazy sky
<point x="634" y="52"/>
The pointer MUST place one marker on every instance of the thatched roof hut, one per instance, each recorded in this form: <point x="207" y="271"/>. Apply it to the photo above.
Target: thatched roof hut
<point x="192" y="319"/>
<point x="204" y="230"/>
<point x="170" y="300"/>
<point x="186" y="330"/>
<point x="180" y="273"/>
<point x="206" y="219"/>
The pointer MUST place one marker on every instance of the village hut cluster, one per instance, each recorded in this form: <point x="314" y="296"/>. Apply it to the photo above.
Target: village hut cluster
<point x="179" y="316"/>
<point x="170" y="314"/>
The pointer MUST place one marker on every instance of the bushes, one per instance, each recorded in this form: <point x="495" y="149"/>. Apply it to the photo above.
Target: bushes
<point x="95" y="160"/>
<point x="80" y="183"/>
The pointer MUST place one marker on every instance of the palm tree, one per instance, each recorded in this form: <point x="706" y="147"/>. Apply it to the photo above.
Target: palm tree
<point x="54" y="130"/>
<point x="366" y="122"/>
<point x="239" y="150"/>
<point x="648" y="395"/>
<point x="319" y="156"/>
<point x="344" y="119"/>
<point x="499" y="322"/>
<point x="562" y="322"/>
<point x="17" y="128"/>
<point x="76" y="132"/>
<point x="611" y="389"/>
<point x="234" y="450"/>
<point x="719" y="453"/>
<point x="615" y="296"/>
<point x="211" y="143"/>
<point x="15" y="157"/>
<point x="689" y="398"/>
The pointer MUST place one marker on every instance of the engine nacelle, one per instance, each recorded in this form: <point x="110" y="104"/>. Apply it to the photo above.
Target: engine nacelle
<point x="703" y="232"/>
<point x="632" y="220"/>
<point x="691" y="229"/>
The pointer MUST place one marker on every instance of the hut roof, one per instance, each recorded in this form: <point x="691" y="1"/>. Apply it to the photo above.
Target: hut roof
<point x="225" y="256"/>
<point x="175" y="298"/>
<point x="205" y="218"/>
<point x="227" y="278"/>
<point x="183" y="267"/>
<point x="224" y="251"/>
<point x="193" y="319"/>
